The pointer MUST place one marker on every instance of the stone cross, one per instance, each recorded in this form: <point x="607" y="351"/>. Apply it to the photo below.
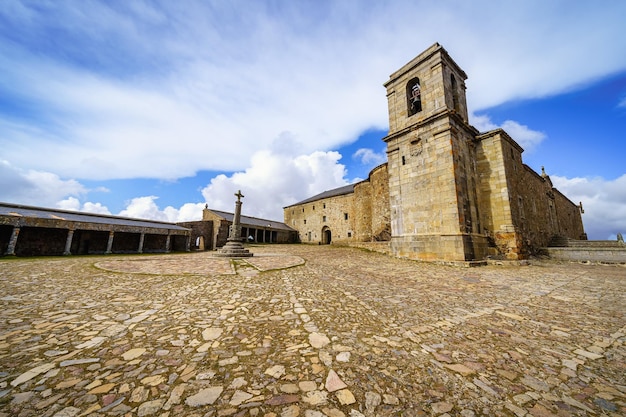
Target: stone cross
<point x="235" y="229"/>
<point x="234" y="247"/>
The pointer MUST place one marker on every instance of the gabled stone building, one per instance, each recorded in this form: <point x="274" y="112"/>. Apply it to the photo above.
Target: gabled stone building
<point x="447" y="191"/>
<point x="211" y="232"/>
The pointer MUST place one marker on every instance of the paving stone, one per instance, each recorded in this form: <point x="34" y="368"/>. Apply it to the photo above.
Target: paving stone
<point x="275" y="371"/>
<point x="206" y="396"/>
<point x="133" y="353"/>
<point x="67" y="412"/>
<point x="345" y="397"/>
<point x="240" y="397"/>
<point x="318" y="340"/>
<point x="150" y="408"/>
<point x="187" y="334"/>
<point x="333" y="382"/>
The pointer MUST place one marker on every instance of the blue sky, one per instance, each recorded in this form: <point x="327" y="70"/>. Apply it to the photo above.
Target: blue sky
<point x="153" y="108"/>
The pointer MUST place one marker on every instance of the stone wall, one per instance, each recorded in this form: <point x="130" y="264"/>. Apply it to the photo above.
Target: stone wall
<point x="359" y="216"/>
<point x="521" y="211"/>
<point x="334" y="215"/>
<point x="569" y="217"/>
<point x="371" y="207"/>
<point x="202" y="230"/>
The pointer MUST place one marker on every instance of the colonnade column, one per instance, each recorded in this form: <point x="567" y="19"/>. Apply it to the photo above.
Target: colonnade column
<point x="167" y="244"/>
<point x="68" y="242"/>
<point x="188" y="244"/>
<point x="141" y="239"/>
<point x="13" y="241"/>
<point x="110" y="242"/>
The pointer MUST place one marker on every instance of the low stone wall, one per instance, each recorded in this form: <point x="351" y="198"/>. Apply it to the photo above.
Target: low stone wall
<point x="589" y="254"/>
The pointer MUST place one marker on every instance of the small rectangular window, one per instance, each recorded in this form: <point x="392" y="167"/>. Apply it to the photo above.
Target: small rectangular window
<point x="345" y="216"/>
<point x="324" y="218"/>
<point x="349" y="234"/>
<point x="304" y="221"/>
<point x="324" y="205"/>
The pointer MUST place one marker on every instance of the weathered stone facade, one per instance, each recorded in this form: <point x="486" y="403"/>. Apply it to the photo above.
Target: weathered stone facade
<point x="354" y="213"/>
<point x="211" y="232"/>
<point x="447" y="192"/>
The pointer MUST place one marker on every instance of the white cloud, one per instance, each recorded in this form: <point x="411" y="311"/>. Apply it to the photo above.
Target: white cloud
<point x="173" y="90"/>
<point x="96" y="208"/>
<point x="144" y="208"/>
<point x="527" y="138"/>
<point x="604" y="202"/>
<point x="70" y="203"/>
<point x="159" y="90"/>
<point x="275" y="180"/>
<point x="622" y="103"/>
<point x="370" y="157"/>
<point x="37" y="188"/>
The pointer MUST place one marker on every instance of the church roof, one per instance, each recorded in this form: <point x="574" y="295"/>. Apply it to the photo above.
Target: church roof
<point x="15" y="211"/>
<point x="346" y="189"/>
<point x="253" y="221"/>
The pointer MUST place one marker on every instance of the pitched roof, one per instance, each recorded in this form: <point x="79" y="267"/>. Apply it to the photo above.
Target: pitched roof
<point x="346" y="189"/>
<point x="253" y="221"/>
<point x="15" y="210"/>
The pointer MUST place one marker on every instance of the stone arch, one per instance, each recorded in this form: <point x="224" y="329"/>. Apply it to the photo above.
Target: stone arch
<point x="326" y="235"/>
<point x="455" y="94"/>
<point x="414" y="96"/>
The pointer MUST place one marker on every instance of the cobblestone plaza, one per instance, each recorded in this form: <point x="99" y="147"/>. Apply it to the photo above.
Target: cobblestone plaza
<point x="309" y="331"/>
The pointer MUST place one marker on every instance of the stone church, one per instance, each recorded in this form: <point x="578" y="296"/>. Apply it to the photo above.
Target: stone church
<point x="447" y="191"/>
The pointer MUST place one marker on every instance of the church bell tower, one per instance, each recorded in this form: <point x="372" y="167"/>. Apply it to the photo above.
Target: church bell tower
<point x="431" y="162"/>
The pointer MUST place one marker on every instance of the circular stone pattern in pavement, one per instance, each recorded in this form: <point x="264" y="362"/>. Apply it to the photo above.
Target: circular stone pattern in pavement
<point x="197" y="264"/>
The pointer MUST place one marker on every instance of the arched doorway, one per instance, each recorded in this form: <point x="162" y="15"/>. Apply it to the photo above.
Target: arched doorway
<point x="326" y="236"/>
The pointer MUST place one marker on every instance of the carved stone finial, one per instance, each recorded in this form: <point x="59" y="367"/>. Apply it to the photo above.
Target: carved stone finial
<point x="543" y="172"/>
<point x="580" y="206"/>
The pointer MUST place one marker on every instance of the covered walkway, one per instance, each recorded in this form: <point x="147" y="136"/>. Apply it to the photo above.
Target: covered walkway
<point x="36" y="231"/>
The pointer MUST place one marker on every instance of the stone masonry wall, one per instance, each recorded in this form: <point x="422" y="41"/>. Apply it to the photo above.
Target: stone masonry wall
<point x="361" y="216"/>
<point x="569" y="217"/>
<point x="310" y="219"/>
<point x="380" y="226"/>
<point x="521" y="211"/>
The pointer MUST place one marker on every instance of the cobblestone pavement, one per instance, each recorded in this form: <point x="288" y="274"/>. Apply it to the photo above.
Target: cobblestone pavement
<point x="309" y="331"/>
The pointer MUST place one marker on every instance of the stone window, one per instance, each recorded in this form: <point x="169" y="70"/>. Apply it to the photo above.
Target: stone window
<point x="304" y="221"/>
<point x="324" y="205"/>
<point x="324" y="219"/>
<point x="349" y="234"/>
<point x="345" y="216"/>
<point x="455" y="94"/>
<point x="414" y="96"/>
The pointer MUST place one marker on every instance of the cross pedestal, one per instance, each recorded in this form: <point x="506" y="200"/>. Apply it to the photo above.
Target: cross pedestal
<point x="234" y="246"/>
